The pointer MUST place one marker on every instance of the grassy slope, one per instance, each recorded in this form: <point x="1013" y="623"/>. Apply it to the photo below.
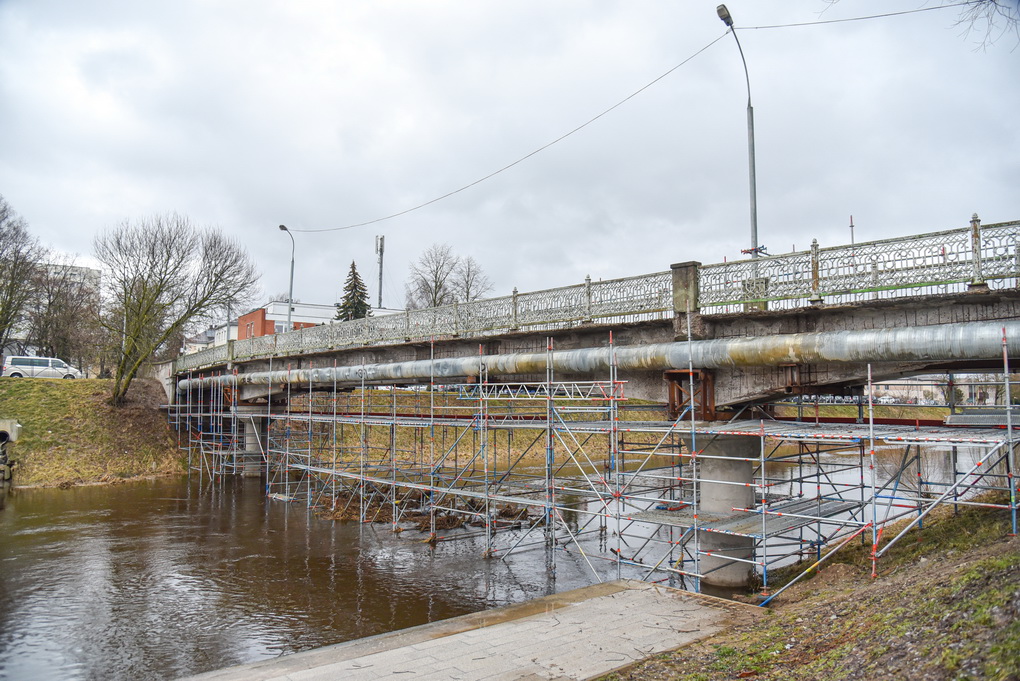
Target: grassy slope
<point x="945" y="605"/>
<point x="71" y="435"/>
<point x="881" y="411"/>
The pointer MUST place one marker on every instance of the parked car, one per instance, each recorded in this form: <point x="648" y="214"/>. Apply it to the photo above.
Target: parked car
<point x="38" y="367"/>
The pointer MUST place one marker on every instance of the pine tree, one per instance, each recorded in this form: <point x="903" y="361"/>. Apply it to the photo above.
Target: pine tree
<point x="355" y="301"/>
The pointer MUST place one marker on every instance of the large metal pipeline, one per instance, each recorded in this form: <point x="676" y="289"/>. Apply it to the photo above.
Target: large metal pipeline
<point x="948" y="342"/>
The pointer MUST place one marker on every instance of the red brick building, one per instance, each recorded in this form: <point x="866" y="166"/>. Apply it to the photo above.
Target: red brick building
<point x="272" y="318"/>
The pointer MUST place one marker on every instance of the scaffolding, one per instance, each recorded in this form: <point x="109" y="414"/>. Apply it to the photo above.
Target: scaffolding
<point x="568" y="466"/>
<point x="210" y="426"/>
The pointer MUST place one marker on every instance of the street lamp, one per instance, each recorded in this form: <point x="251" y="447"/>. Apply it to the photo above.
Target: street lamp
<point x="724" y="14"/>
<point x="290" y="291"/>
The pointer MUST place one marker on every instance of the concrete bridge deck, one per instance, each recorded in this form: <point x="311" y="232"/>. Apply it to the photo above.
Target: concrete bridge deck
<point x="579" y="634"/>
<point x="925" y="281"/>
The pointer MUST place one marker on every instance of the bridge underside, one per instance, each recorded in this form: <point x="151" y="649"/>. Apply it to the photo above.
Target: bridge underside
<point x="578" y="471"/>
<point x="721" y="393"/>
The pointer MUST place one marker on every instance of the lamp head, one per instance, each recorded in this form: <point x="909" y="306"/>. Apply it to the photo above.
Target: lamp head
<point x="283" y="228"/>
<point x="724" y="14"/>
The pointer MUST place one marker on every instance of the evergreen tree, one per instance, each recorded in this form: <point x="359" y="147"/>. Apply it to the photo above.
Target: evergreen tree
<point x="355" y="301"/>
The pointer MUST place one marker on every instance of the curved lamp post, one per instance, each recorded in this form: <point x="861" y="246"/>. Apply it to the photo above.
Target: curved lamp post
<point x="724" y="14"/>
<point x="290" y="291"/>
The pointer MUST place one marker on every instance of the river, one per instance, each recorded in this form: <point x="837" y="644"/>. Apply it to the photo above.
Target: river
<point x="164" y="578"/>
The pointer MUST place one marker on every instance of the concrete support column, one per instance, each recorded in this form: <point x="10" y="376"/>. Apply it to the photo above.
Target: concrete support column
<point x="724" y="485"/>
<point x="685" y="286"/>
<point x="252" y="420"/>
<point x="686" y="310"/>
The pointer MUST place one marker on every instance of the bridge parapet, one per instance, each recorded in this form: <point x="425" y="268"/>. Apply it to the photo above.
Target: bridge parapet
<point x="943" y="262"/>
<point x="631" y="299"/>
<point x="935" y="263"/>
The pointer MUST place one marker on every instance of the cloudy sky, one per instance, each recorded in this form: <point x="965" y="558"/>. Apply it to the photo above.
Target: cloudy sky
<point x="246" y="115"/>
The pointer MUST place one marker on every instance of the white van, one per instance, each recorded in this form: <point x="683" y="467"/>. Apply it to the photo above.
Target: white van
<point x="38" y="367"/>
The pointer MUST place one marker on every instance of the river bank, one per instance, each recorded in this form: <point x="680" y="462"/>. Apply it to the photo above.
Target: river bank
<point x="945" y="605"/>
<point x="70" y="435"/>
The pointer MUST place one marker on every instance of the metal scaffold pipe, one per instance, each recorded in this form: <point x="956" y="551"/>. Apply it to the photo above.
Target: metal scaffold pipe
<point x="948" y="342"/>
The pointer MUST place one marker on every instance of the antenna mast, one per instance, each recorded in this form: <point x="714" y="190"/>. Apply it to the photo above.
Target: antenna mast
<point x="379" y="245"/>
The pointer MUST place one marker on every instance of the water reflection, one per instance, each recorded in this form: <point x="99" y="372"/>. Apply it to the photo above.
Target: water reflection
<point x="933" y="468"/>
<point x="161" y="579"/>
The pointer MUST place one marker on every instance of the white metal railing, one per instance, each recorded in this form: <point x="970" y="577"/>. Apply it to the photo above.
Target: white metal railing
<point x="925" y="264"/>
<point x="648" y="296"/>
<point x="934" y="263"/>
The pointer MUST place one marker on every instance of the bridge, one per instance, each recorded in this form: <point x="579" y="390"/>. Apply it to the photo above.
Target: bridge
<point x="499" y="411"/>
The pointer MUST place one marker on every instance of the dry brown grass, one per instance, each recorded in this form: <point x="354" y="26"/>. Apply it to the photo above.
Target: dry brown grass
<point x="71" y="435"/>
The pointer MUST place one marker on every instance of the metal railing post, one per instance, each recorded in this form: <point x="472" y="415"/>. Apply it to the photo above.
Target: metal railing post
<point x="587" y="297"/>
<point x="815" y="298"/>
<point x="978" y="279"/>
<point x="513" y="324"/>
<point x="1016" y="263"/>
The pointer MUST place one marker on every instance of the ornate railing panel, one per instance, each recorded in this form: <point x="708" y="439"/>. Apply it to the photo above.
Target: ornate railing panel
<point x="388" y="329"/>
<point x="646" y="297"/>
<point x="257" y="347"/>
<point x="564" y="306"/>
<point x="210" y="356"/>
<point x="735" y="284"/>
<point x="494" y="315"/>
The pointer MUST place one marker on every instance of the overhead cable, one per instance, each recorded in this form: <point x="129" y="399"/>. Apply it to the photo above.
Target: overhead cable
<point x="840" y="21"/>
<point x="614" y="107"/>
<point x="522" y="158"/>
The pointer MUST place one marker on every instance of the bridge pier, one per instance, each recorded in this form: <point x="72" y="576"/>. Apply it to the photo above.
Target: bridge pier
<point x="726" y="471"/>
<point x="254" y="423"/>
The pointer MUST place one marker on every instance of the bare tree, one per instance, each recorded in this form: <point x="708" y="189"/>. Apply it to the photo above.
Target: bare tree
<point x="20" y="254"/>
<point x="430" y="283"/>
<point x="440" y="277"/>
<point x="469" y="281"/>
<point x="63" y="315"/>
<point x="994" y="17"/>
<point x="163" y="273"/>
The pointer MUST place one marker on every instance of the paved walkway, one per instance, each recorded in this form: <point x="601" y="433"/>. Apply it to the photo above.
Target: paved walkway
<point x="576" y="635"/>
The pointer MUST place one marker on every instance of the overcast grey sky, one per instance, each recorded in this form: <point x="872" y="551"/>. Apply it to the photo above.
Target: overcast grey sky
<point x="246" y="115"/>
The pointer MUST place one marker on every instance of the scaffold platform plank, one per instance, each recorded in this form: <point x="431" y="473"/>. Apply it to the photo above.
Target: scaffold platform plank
<point x="779" y="518"/>
<point x="853" y="432"/>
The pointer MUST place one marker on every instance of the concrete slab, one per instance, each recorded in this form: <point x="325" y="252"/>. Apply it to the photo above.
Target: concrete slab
<point x="574" y="635"/>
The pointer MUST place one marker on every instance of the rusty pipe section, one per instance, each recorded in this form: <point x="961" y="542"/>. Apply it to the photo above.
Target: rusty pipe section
<point x="969" y="341"/>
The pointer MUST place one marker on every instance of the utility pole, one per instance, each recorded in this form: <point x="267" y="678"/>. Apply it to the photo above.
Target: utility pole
<point x="755" y="249"/>
<point x="290" y="291"/>
<point x="379" y="245"/>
